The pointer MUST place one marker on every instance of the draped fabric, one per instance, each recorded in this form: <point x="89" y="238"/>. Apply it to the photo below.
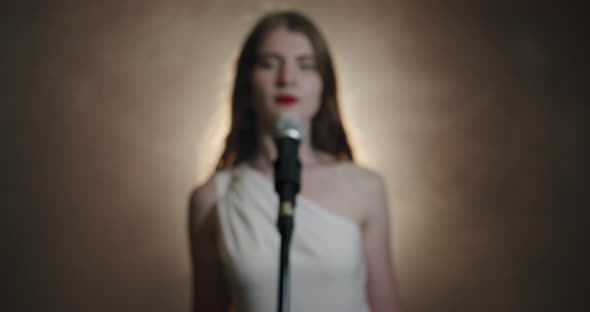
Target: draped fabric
<point x="328" y="271"/>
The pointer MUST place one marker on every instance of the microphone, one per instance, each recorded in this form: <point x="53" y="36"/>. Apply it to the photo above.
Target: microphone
<point x="287" y="134"/>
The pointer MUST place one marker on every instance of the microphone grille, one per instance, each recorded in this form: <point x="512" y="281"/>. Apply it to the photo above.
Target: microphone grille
<point x="288" y="126"/>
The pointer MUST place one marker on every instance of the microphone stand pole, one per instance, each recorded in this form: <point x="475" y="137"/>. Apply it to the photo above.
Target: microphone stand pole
<point x="285" y="225"/>
<point x="287" y="177"/>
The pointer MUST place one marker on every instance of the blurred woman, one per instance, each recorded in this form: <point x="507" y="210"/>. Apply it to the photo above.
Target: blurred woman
<point x="340" y="255"/>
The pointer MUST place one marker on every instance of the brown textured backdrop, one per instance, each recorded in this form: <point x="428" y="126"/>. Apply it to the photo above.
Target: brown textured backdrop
<point x="475" y="112"/>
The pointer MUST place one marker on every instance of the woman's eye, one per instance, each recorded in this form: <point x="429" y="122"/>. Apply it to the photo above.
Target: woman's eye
<point x="268" y="63"/>
<point x="308" y="66"/>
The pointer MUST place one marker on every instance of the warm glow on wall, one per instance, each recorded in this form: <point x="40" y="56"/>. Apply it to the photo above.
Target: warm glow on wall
<point x="212" y="140"/>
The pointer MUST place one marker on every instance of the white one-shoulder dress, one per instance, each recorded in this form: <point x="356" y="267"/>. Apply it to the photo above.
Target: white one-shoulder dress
<point x="328" y="271"/>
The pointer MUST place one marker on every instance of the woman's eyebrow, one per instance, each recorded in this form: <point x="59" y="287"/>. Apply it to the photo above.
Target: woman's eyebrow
<point x="269" y="55"/>
<point x="306" y="57"/>
<point x="279" y="56"/>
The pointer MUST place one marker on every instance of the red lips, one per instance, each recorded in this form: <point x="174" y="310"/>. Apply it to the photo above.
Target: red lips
<point x="286" y="100"/>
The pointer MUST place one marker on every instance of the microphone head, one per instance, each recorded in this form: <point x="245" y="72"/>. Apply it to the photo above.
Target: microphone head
<point x="288" y="126"/>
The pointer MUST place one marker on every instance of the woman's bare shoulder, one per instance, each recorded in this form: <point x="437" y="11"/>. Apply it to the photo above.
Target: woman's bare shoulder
<point x="202" y="201"/>
<point x="361" y="174"/>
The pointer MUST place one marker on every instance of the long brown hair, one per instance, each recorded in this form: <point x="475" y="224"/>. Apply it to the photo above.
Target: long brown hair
<point x="327" y="132"/>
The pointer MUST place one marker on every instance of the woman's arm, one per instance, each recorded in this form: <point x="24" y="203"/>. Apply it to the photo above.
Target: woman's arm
<point x="382" y="288"/>
<point x="210" y="292"/>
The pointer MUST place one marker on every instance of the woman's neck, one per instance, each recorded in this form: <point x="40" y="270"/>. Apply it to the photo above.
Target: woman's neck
<point x="267" y="153"/>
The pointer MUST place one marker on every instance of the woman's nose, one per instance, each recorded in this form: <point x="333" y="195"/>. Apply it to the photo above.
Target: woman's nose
<point x="286" y="75"/>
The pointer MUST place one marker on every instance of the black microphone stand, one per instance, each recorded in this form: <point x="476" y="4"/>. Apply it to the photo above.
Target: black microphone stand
<point x="287" y="184"/>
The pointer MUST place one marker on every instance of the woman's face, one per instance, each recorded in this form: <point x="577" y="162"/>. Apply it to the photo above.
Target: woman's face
<point x="285" y="77"/>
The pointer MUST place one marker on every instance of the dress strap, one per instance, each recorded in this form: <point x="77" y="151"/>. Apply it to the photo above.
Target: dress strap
<point x="222" y="181"/>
